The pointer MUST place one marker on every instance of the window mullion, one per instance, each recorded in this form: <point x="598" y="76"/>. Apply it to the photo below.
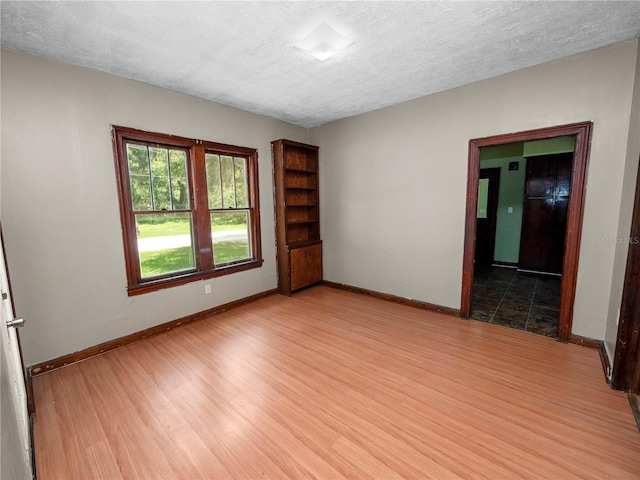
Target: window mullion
<point x="202" y="222"/>
<point x="169" y="176"/>
<point x="221" y="182"/>
<point x="233" y="171"/>
<point x="151" y="196"/>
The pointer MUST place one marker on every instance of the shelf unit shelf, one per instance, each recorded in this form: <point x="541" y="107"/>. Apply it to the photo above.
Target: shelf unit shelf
<point x="299" y="247"/>
<point x="300" y="222"/>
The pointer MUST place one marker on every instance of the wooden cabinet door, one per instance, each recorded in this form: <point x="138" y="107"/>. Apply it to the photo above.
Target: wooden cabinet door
<point x="306" y="266"/>
<point x="314" y="263"/>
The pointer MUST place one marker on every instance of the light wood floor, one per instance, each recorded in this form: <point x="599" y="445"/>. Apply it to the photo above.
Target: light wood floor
<point x="329" y="384"/>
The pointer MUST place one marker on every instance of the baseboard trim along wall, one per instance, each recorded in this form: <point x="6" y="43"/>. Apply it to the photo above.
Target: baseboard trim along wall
<point x="635" y="407"/>
<point x="87" y="353"/>
<point x="392" y="298"/>
<point x="586" y="341"/>
<point x="497" y="263"/>
<point x="606" y="365"/>
<point x="31" y="401"/>
<point x="599" y="344"/>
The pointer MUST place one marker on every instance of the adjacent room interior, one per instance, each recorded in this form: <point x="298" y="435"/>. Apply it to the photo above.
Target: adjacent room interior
<point x="523" y="195"/>
<point x="230" y="259"/>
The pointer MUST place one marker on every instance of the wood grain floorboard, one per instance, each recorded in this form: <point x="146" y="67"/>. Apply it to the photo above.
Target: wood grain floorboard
<point x="330" y="384"/>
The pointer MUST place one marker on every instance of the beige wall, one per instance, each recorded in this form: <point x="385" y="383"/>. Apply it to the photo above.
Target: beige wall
<point x="626" y="213"/>
<point x="393" y="189"/>
<point x="393" y="182"/>
<point x="60" y="207"/>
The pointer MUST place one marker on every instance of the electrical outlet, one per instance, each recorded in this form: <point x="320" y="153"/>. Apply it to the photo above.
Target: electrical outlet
<point x="207" y="289"/>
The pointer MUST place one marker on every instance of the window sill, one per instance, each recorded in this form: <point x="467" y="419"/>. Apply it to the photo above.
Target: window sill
<point x="175" y="281"/>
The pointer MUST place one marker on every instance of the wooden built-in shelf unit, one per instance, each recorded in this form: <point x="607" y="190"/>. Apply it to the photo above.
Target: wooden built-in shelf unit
<point x="299" y="247"/>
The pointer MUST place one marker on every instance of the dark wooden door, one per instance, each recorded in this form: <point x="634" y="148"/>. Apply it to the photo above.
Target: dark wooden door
<point x="544" y="218"/>
<point x="626" y="362"/>
<point x="487" y="214"/>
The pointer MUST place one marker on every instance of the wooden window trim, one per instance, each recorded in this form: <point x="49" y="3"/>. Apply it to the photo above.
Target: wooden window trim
<point x="196" y="149"/>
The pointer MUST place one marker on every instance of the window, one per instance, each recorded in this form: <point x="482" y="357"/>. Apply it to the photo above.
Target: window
<point x="189" y="208"/>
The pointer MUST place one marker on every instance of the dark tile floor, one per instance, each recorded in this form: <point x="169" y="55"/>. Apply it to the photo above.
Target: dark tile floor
<point x="525" y="301"/>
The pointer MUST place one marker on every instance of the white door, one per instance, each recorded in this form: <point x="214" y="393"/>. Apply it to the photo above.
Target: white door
<point x="15" y="454"/>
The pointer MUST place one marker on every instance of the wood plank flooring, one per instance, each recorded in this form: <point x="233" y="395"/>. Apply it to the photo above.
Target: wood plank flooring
<point x="330" y="384"/>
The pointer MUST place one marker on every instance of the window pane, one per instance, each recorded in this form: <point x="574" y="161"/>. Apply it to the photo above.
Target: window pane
<point x="213" y="180"/>
<point x="139" y="177"/>
<point x="165" y="243"/>
<point x="179" y="179"/>
<point x="141" y="192"/>
<point x="228" y="184"/>
<point x="241" y="181"/>
<point x="160" y="178"/>
<point x="230" y="236"/>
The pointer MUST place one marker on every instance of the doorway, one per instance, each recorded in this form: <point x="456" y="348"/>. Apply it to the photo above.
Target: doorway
<point x="575" y="207"/>
<point x="518" y="284"/>
<point x="487" y="214"/>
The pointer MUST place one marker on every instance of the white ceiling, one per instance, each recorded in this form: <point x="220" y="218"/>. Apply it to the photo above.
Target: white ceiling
<point x="241" y="53"/>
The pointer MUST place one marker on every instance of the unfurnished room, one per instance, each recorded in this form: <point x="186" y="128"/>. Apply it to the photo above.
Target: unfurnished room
<point x="317" y="239"/>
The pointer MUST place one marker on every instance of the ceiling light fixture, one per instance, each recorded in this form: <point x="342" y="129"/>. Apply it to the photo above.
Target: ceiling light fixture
<point x="323" y="42"/>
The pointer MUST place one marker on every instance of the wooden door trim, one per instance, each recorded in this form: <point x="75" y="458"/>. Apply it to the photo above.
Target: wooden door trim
<point x="626" y="362"/>
<point x="582" y="132"/>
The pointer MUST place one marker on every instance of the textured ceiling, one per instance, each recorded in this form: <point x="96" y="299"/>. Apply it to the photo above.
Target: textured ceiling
<point x="241" y="53"/>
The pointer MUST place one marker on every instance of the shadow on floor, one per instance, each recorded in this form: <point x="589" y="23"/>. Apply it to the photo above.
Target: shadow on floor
<point x="525" y="301"/>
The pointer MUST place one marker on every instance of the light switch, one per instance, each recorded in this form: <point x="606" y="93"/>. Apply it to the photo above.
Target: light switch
<point x="509" y="209"/>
